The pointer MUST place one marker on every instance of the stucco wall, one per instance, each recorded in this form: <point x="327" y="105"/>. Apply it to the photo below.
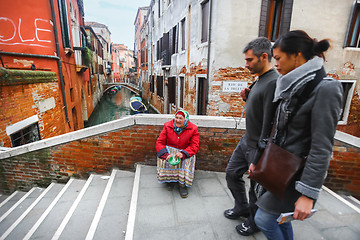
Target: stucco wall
<point x="235" y="24"/>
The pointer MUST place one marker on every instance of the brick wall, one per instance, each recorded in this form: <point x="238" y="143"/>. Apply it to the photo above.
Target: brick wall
<point x="121" y="149"/>
<point x="344" y="170"/>
<point x="353" y="121"/>
<point x="124" y="142"/>
<point x="21" y="94"/>
<point x="223" y="103"/>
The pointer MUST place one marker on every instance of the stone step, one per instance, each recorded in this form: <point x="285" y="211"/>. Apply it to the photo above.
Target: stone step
<point x="9" y="201"/>
<point x="96" y="208"/>
<point x="129" y="206"/>
<point x="51" y="219"/>
<point x="9" y="218"/>
<point x="114" y="217"/>
<point x="29" y="218"/>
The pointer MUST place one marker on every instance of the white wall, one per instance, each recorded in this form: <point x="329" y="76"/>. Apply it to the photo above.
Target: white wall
<point x="325" y="20"/>
<point x="235" y="24"/>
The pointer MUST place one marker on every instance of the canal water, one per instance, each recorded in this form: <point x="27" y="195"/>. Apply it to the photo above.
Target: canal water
<point x="112" y="107"/>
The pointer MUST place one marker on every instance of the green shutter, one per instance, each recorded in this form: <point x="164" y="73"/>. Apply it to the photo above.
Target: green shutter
<point x="64" y="24"/>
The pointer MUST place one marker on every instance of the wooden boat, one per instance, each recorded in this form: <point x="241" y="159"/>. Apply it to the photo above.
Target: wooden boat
<point x="137" y="106"/>
<point x="112" y="90"/>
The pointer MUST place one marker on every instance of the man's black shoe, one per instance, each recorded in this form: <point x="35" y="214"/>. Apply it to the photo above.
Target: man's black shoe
<point x="231" y="214"/>
<point x="245" y="229"/>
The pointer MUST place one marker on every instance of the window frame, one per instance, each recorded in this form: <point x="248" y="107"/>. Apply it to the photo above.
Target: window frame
<point x="347" y="101"/>
<point x="20" y="126"/>
<point x="152" y="84"/>
<point x="274" y="19"/>
<point x="353" y="18"/>
<point x="172" y="90"/>
<point x="174" y="40"/>
<point x="205" y="21"/>
<point x="183" y="34"/>
<point x="166" y="45"/>
<point x="158" y="49"/>
<point x="64" y="22"/>
<point x="266" y="18"/>
<point x="205" y="84"/>
<point x="181" y="90"/>
<point x="160" y="86"/>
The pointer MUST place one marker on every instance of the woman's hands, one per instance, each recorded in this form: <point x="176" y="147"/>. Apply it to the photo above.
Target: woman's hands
<point x="303" y="207"/>
<point x="166" y="156"/>
<point x="180" y="155"/>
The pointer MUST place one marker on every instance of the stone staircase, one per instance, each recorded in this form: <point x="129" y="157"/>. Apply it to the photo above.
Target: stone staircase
<point x="96" y="208"/>
<point x="128" y="205"/>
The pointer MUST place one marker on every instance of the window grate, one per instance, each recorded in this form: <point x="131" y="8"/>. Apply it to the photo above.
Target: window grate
<point x="26" y="135"/>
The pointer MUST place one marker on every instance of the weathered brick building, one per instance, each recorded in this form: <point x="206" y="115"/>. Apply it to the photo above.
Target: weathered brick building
<point x="96" y="67"/>
<point x="125" y="63"/>
<point x="44" y="80"/>
<point x="141" y="43"/>
<point x="195" y="48"/>
<point x="104" y="35"/>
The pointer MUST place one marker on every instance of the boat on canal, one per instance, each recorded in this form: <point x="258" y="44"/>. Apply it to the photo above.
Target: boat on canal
<point x="137" y="106"/>
<point x="112" y="90"/>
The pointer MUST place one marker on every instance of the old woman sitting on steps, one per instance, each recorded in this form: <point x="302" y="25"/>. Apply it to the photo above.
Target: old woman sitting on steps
<point x="179" y="140"/>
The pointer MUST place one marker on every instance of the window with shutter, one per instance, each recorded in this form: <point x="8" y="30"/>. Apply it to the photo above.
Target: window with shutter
<point x="201" y="100"/>
<point x="160" y="86"/>
<point x="348" y="87"/>
<point x="172" y="90"/>
<point x="64" y="23"/>
<point x="174" y="40"/>
<point x="353" y="32"/>
<point x="205" y="21"/>
<point x="181" y="94"/>
<point x="183" y="34"/>
<point x="275" y="18"/>
<point x="152" y="83"/>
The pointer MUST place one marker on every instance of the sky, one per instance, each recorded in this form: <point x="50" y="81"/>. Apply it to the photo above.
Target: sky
<point x="117" y="15"/>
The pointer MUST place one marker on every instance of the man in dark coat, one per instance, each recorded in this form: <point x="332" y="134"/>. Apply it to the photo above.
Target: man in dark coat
<point x="259" y="114"/>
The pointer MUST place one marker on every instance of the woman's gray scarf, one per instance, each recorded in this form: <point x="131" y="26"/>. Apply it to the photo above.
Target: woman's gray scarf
<point x="287" y="85"/>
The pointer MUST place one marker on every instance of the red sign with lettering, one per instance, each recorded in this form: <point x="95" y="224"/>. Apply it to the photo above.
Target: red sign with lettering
<point x="27" y="27"/>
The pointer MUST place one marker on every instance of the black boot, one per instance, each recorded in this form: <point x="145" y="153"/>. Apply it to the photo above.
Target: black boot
<point x="183" y="191"/>
<point x="170" y="186"/>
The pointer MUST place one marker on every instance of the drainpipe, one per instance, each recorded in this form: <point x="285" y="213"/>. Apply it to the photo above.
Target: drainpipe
<point x="208" y="58"/>
<point x="151" y="44"/>
<point x="29" y="55"/>
<point x="59" y="60"/>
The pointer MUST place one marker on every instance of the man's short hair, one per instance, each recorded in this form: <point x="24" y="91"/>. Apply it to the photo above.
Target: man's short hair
<point x="259" y="46"/>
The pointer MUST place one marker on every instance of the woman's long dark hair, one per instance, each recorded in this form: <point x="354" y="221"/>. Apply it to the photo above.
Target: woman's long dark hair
<point x="299" y="41"/>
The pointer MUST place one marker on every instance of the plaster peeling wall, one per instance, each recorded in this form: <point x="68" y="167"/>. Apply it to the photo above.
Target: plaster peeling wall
<point x="46" y="104"/>
<point x="189" y="62"/>
<point x="341" y="63"/>
<point x="234" y="24"/>
<point x="23" y="62"/>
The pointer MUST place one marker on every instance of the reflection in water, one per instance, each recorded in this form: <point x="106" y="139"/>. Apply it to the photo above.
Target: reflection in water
<point x="111" y="107"/>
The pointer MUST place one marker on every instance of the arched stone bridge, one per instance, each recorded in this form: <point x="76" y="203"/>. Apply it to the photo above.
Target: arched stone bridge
<point x="132" y="87"/>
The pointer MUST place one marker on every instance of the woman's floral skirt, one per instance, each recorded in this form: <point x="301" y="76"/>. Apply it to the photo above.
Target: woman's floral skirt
<point x="182" y="173"/>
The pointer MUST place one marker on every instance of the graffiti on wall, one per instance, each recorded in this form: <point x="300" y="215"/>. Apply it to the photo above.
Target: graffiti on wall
<point x="38" y="32"/>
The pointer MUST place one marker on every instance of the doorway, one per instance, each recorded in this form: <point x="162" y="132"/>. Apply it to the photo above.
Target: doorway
<point x="201" y="101"/>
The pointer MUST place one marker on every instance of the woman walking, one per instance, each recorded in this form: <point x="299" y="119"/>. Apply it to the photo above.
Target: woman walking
<point x="305" y="126"/>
